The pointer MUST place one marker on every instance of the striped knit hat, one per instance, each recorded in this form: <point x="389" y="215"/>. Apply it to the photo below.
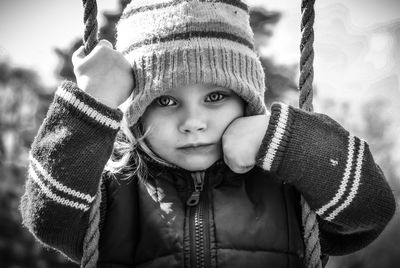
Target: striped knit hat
<point x="173" y="43"/>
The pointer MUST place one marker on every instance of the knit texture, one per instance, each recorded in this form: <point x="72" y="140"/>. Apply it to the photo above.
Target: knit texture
<point x="73" y="144"/>
<point x="66" y="161"/>
<point x="335" y="172"/>
<point x="171" y="44"/>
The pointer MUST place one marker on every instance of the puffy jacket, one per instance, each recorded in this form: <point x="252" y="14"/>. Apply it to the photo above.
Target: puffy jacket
<point x="213" y="218"/>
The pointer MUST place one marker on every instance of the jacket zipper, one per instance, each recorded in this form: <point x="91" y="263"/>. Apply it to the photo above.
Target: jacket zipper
<point x="198" y="220"/>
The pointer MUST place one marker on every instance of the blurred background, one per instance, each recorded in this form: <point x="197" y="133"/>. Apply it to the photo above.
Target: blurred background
<point x="357" y="71"/>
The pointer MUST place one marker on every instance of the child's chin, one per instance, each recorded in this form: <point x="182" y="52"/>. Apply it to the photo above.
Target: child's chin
<point x="197" y="164"/>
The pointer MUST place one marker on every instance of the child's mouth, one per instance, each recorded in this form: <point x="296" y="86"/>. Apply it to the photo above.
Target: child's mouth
<point x="201" y="148"/>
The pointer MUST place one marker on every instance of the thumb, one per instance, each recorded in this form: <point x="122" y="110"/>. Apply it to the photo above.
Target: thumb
<point x="78" y="55"/>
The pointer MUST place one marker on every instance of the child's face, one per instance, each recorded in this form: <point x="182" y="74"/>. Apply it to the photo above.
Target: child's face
<point x="196" y="114"/>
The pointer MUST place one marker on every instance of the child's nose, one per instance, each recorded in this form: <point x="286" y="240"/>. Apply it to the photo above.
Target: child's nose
<point x="193" y="124"/>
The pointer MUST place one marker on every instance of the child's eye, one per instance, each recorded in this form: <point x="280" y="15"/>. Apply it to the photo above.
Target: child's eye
<point x="215" y="96"/>
<point x="165" y="101"/>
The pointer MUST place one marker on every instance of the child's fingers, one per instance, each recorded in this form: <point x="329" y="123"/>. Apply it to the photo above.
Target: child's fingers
<point x="79" y="55"/>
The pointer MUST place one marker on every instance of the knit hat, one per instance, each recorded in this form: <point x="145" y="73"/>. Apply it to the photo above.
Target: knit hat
<point x="173" y="43"/>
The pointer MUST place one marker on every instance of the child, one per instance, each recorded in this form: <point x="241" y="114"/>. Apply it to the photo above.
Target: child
<point x="193" y="170"/>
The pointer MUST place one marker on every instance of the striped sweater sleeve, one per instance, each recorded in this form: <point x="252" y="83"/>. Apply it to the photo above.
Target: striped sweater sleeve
<point x="66" y="161"/>
<point x="334" y="171"/>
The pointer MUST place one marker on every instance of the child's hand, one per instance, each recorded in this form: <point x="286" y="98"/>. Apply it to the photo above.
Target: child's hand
<point x="104" y="73"/>
<point x="241" y="141"/>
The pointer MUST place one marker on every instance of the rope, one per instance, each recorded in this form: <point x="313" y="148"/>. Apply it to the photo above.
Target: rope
<point x="90" y="39"/>
<point x="312" y="256"/>
<point x="91" y="239"/>
<point x="307" y="55"/>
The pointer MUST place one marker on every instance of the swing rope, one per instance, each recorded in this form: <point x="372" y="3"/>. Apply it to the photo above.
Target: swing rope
<point x="309" y="220"/>
<point x="307" y="55"/>
<point x="91" y="239"/>
<point x="312" y="256"/>
<point x="90" y="39"/>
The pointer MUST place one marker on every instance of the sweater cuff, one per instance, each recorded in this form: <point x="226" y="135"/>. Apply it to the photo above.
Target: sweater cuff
<point x="277" y="137"/>
<point x="88" y="106"/>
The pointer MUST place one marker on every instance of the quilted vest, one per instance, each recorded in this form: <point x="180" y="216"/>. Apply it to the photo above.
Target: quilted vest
<point x="213" y="218"/>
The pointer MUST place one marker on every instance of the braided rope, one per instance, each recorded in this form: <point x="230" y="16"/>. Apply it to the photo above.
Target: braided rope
<point x="312" y="256"/>
<point x="307" y="55"/>
<point x="90" y="39"/>
<point x="91" y="239"/>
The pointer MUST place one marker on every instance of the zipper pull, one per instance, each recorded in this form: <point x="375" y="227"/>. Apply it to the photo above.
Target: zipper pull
<point x="198" y="180"/>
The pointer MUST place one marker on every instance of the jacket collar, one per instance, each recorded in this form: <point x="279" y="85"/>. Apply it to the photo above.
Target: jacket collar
<point x="219" y="170"/>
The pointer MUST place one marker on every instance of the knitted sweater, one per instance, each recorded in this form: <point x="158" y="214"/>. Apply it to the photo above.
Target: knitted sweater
<point x="332" y="169"/>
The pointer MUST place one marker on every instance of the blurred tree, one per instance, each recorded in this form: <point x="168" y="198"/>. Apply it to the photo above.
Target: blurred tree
<point x="23" y="104"/>
<point x="65" y="69"/>
<point x="108" y="31"/>
<point x="280" y="79"/>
